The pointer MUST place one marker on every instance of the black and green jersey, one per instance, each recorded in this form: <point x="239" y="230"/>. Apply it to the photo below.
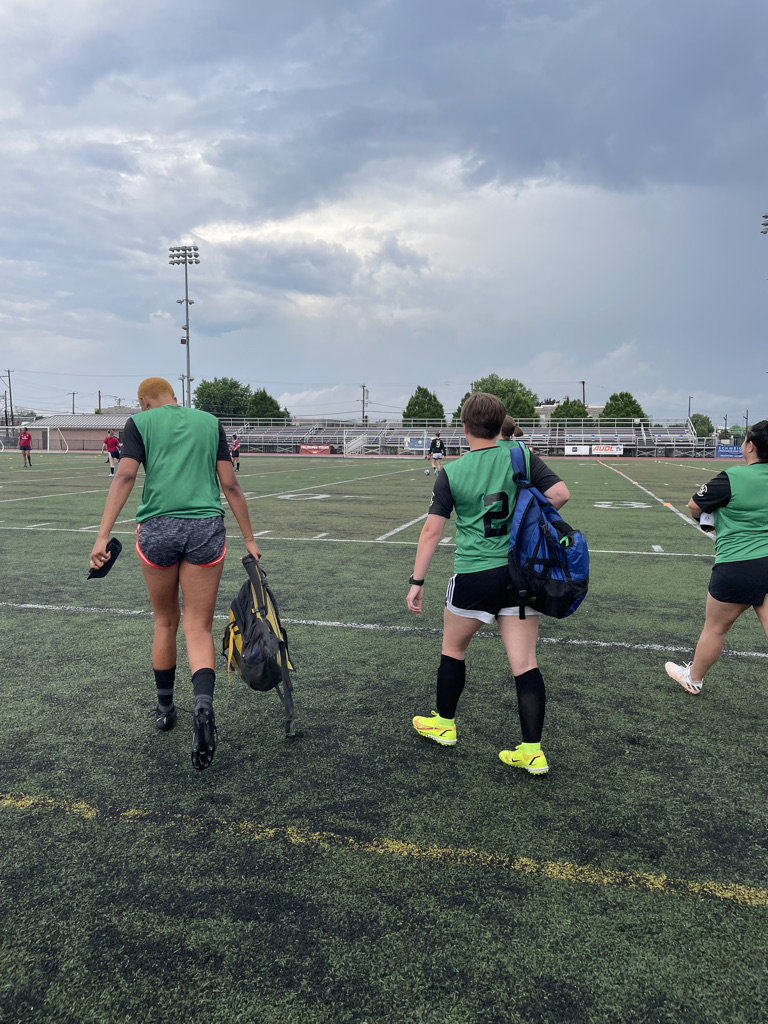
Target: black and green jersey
<point x="739" y="499"/>
<point x="179" y="449"/>
<point x="479" y="486"/>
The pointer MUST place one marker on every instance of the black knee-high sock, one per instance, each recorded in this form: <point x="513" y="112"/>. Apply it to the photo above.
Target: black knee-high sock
<point x="203" y="682"/>
<point x="164" y="680"/>
<point x="450" y="682"/>
<point x="531" y="701"/>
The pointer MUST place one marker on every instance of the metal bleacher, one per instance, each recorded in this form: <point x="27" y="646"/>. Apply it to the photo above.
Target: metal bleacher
<point x="641" y="438"/>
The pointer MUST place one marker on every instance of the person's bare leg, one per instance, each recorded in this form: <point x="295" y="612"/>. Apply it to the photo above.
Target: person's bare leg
<point x="199" y="587"/>
<point x="720" y="616"/>
<point x="520" y="636"/>
<point x="163" y="588"/>
<point x="457" y="632"/>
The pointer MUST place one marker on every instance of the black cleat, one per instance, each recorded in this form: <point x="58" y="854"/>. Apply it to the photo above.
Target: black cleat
<point x="203" y="738"/>
<point x="165" y="719"/>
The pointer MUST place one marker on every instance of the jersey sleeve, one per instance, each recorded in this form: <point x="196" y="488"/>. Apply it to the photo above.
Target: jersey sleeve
<point x="542" y="477"/>
<point x="222" y="454"/>
<point x="714" y="494"/>
<point x="441" y="502"/>
<point x="133" y="444"/>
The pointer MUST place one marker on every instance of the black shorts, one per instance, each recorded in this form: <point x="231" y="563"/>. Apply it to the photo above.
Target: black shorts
<point x="740" y="582"/>
<point x="481" y="595"/>
<point x="166" y="540"/>
<point x="23" y="447"/>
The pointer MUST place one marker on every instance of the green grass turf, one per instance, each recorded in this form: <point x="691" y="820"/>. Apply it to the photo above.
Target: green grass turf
<point x="144" y="891"/>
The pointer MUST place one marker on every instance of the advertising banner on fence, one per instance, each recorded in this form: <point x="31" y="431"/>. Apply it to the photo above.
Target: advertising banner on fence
<point x="577" y="449"/>
<point x="314" y="449"/>
<point x="727" y="451"/>
<point x="607" y="449"/>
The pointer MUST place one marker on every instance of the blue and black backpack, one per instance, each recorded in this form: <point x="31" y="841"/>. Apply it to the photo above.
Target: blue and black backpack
<point x="548" y="560"/>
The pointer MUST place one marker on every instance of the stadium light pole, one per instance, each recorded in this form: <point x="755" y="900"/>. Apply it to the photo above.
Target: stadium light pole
<point x="185" y="255"/>
<point x="690" y="399"/>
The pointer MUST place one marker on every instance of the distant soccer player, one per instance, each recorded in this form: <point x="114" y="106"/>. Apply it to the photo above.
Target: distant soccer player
<point x="25" y="446"/>
<point x="480" y="488"/>
<point x="738" y="497"/>
<point x="436" y="451"/>
<point x="181" y="540"/>
<point x="235" y="452"/>
<point x="112" y="447"/>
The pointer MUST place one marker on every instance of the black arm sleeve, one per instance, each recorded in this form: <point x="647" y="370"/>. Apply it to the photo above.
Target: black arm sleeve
<point x="133" y="445"/>
<point x="714" y="494"/>
<point x="441" y="502"/>
<point x="542" y="477"/>
<point x="222" y="454"/>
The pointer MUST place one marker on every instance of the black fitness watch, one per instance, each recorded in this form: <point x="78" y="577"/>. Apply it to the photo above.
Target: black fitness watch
<point x="416" y="583"/>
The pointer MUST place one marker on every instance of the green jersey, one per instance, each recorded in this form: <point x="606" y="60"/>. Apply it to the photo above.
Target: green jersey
<point x="179" y="448"/>
<point x="739" y="499"/>
<point x="479" y="486"/>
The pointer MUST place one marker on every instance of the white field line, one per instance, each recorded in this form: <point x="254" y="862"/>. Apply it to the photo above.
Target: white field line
<point x="355" y="540"/>
<point x="119" y="522"/>
<point x="667" y="504"/>
<point x="403" y="527"/>
<point x="381" y="628"/>
<point x="35" y="526"/>
<point x="332" y="483"/>
<point x="63" y="494"/>
<point x="256" y="497"/>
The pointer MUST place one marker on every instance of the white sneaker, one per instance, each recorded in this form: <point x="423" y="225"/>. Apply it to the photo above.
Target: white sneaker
<point x="682" y="674"/>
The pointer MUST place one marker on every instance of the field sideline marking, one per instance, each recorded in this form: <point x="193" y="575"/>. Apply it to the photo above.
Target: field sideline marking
<point x="667" y="504"/>
<point x="357" y="540"/>
<point x="403" y="527"/>
<point x="63" y="494"/>
<point x="555" y="870"/>
<point x="383" y="628"/>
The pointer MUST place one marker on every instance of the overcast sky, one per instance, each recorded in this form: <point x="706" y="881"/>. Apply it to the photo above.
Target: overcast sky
<point x="389" y="193"/>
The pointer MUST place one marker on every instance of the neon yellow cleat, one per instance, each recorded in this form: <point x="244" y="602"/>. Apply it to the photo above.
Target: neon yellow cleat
<point x="536" y="763"/>
<point x="441" y="730"/>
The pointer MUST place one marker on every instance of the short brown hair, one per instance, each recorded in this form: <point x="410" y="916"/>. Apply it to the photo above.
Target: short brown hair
<point x="483" y="414"/>
<point x="154" y="387"/>
<point x="510" y="429"/>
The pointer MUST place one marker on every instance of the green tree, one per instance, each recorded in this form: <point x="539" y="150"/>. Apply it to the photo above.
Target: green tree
<point x="223" y="396"/>
<point x="263" y="406"/>
<point x="622" y="405"/>
<point x="702" y="424"/>
<point x="519" y="400"/>
<point x="424" y="405"/>
<point x="570" y="409"/>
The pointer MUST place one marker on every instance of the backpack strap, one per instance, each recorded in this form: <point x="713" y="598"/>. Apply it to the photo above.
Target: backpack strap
<point x="521" y="463"/>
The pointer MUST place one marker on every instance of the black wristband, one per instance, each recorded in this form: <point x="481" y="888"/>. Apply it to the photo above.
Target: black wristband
<point x="416" y="583"/>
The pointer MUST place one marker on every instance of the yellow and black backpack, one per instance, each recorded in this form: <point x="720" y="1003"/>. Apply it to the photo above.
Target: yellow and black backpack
<point x="255" y="643"/>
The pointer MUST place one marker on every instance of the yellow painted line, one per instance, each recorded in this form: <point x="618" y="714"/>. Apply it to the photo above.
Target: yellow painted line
<point x="561" y="871"/>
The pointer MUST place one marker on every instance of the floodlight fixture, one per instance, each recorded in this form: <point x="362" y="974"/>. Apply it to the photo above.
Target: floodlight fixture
<point x="185" y="255"/>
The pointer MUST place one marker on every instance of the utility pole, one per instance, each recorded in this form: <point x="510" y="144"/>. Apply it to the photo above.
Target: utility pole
<point x="10" y="394"/>
<point x="73" y="393"/>
<point x="5" y="401"/>
<point x="583" y="392"/>
<point x="99" y="400"/>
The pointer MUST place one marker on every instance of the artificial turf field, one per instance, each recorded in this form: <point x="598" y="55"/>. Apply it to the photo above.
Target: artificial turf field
<point x="361" y="873"/>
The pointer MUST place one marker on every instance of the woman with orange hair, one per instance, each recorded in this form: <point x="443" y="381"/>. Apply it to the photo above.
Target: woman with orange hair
<point x="181" y="540"/>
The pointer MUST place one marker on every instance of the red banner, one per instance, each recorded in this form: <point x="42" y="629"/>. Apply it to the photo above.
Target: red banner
<point x="314" y="449"/>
